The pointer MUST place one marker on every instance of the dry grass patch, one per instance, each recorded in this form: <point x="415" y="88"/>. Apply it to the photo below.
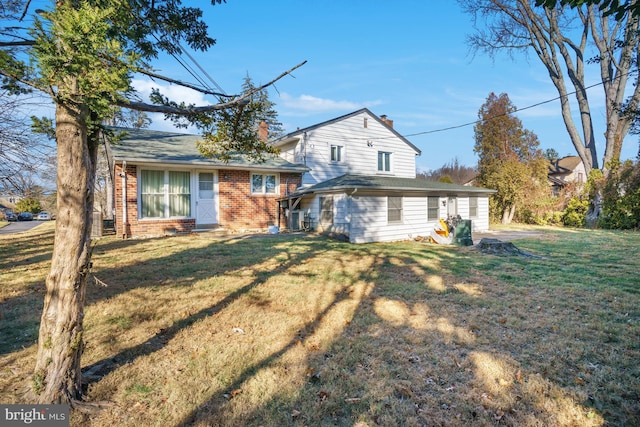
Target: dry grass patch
<point x="301" y="330"/>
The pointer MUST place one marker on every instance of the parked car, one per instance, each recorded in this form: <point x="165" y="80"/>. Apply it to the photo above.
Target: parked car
<point x="25" y="216"/>
<point x="44" y="216"/>
<point x="10" y="216"/>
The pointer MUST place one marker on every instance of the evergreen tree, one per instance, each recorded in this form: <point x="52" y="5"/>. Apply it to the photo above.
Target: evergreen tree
<point x="83" y="55"/>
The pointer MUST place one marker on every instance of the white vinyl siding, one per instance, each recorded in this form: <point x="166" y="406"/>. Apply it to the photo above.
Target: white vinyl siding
<point x="365" y="218"/>
<point x="369" y="220"/>
<point x="360" y="152"/>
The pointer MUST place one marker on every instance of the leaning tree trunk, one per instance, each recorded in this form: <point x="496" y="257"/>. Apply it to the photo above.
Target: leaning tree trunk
<point x="57" y="377"/>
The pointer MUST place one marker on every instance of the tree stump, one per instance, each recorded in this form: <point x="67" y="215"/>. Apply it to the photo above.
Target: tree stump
<point x="498" y="247"/>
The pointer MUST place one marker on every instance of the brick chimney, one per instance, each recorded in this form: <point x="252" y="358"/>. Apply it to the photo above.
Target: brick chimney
<point x="263" y="131"/>
<point x="388" y="122"/>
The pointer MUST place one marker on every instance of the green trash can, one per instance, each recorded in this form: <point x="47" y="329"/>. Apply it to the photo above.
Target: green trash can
<point x="462" y="233"/>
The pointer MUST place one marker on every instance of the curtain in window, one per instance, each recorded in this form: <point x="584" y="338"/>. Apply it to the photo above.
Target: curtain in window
<point x="152" y="192"/>
<point x="179" y="194"/>
<point x="256" y="183"/>
<point x="270" y="184"/>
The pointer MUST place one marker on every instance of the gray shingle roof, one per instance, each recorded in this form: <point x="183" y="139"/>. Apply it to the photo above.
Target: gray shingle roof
<point x="150" y="146"/>
<point x="390" y="184"/>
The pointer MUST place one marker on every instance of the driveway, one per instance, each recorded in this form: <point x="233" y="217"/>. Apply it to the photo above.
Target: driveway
<point x="19" y="226"/>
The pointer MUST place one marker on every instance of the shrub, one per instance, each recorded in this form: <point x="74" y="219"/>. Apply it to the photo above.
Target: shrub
<point x="575" y="213"/>
<point x="29" y="204"/>
<point x="621" y="198"/>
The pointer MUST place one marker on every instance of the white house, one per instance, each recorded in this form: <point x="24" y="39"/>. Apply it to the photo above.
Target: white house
<point x="362" y="183"/>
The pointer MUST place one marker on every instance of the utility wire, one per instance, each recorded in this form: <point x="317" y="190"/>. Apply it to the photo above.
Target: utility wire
<point x="217" y="86"/>
<point x="503" y="114"/>
<point x="496" y="116"/>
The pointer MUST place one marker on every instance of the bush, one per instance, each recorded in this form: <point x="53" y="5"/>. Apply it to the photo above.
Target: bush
<point x="621" y="198"/>
<point x="575" y="214"/>
<point x="29" y="204"/>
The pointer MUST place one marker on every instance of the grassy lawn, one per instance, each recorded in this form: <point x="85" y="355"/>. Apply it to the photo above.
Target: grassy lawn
<point x="301" y="330"/>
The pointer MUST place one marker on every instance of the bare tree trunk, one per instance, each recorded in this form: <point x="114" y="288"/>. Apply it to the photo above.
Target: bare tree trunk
<point x="505" y="215"/>
<point x="57" y="377"/>
<point x="512" y="213"/>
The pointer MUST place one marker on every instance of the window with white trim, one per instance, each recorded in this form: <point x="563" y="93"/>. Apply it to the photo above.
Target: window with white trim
<point x="337" y="152"/>
<point x="473" y="207"/>
<point x="384" y="161"/>
<point x="394" y="209"/>
<point x="326" y="209"/>
<point x="264" y="184"/>
<point x="433" y="208"/>
<point x="165" y="194"/>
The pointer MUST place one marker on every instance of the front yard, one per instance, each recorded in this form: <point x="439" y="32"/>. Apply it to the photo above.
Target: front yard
<point x="302" y="330"/>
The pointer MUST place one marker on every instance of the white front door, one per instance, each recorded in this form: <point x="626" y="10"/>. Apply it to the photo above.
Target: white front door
<point x="206" y="201"/>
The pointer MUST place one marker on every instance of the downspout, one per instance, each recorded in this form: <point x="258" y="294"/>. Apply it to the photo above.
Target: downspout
<point x="125" y="221"/>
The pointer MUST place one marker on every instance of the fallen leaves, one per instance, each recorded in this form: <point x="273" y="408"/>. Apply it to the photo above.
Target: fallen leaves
<point x="232" y="394"/>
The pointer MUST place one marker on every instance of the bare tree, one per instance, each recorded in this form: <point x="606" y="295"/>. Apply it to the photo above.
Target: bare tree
<point x="560" y="37"/>
<point x="23" y="154"/>
<point x="459" y="174"/>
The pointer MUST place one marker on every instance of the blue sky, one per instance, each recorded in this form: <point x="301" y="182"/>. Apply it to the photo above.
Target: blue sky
<point x="406" y="59"/>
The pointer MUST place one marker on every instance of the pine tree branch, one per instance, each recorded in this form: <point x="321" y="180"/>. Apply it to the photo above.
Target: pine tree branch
<point x="174" y="109"/>
<point x="184" y="84"/>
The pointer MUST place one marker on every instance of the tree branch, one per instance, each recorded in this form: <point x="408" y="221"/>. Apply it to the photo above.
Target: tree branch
<point x="17" y="43"/>
<point x="172" y="109"/>
<point x="184" y="84"/>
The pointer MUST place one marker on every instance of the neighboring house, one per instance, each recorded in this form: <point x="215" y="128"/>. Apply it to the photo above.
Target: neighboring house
<point x="362" y="183"/>
<point x="163" y="185"/>
<point x="565" y="171"/>
<point x="353" y="175"/>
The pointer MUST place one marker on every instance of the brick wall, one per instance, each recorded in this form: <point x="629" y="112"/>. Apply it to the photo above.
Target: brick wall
<point x="239" y="209"/>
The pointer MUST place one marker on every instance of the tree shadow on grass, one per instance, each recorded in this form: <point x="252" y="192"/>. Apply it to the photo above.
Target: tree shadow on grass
<point x="422" y="348"/>
<point x="27" y="258"/>
<point x="168" y="271"/>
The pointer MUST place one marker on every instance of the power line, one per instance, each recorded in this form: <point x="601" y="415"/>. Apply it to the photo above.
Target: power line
<point x="505" y="114"/>
<point x="217" y="86"/>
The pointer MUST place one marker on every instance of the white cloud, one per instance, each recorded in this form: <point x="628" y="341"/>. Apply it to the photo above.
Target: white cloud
<point x="312" y="104"/>
<point x="173" y="92"/>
